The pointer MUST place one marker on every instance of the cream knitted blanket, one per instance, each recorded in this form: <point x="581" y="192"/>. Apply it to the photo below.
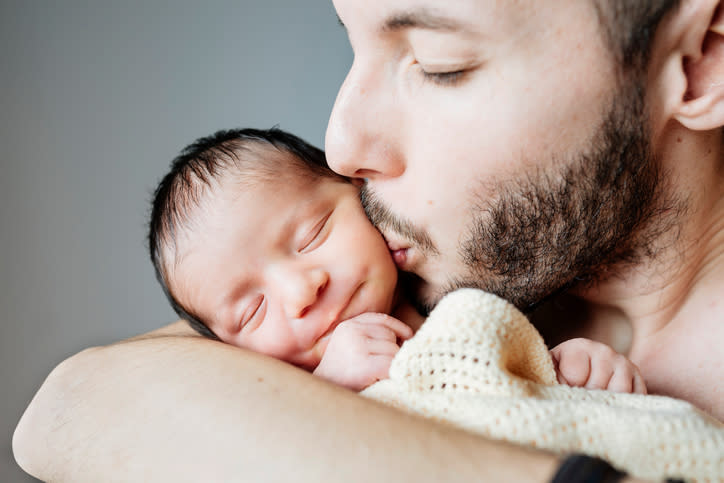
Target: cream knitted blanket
<point x="479" y="364"/>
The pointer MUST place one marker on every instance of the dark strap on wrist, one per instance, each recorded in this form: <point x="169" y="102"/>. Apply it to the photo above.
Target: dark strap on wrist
<point x="579" y="468"/>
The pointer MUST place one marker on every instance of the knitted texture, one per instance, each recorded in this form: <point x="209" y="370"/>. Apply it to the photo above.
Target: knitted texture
<point x="479" y="364"/>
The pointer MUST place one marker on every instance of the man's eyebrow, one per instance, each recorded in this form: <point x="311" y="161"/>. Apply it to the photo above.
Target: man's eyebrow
<point x="421" y="18"/>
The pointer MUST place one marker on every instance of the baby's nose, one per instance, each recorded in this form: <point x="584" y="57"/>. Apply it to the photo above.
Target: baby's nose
<point x="302" y="290"/>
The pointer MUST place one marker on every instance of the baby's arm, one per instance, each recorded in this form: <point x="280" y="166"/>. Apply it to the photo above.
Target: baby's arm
<point x="361" y="349"/>
<point x="589" y="364"/>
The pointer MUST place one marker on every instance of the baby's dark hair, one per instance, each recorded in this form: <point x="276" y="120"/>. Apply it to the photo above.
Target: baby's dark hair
<point x="198" y="169"/>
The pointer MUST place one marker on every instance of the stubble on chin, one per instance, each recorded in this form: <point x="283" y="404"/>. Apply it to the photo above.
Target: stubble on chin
<point x="598" y="212"/>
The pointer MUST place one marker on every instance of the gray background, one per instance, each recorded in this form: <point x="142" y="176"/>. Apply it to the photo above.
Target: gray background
<point x="96" y="98"/>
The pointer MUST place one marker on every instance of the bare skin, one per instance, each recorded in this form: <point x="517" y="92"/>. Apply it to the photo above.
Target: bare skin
<point x="668" y="293"/>
<point x="239" y="268"/>
<point x="282" y="400"/>
<point x="671" y="304"/>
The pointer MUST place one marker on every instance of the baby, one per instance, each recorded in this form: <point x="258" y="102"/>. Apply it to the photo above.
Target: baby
<point x="257" y="243"/>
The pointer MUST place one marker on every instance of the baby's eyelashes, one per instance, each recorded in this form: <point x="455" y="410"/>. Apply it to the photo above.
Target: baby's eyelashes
<point x="256" y="307"/>
<point x="313" y="238"/>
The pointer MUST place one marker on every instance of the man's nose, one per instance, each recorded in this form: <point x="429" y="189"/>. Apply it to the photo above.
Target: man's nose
<point x="299" y="288"/>
<point x="364" y="131"/>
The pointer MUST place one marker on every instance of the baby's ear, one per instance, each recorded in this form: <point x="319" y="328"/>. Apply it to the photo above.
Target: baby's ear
<point x="702" y="105"/>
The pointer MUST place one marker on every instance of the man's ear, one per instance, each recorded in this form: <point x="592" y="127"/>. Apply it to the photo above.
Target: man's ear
<point x="702" y="50"/>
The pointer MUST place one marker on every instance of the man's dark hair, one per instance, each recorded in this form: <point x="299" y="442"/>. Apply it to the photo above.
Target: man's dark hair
<point x="198" y="168"/>
<point x="629" y="27"/>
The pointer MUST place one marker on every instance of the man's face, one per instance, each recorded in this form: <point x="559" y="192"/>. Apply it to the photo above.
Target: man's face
<point x="484" y="130"/>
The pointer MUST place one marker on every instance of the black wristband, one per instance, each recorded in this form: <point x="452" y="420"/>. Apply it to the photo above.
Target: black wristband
<point x="579" y="468"/>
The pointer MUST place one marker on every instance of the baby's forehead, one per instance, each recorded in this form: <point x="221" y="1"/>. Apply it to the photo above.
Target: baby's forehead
<point x="256" y="177"/>
<point x="280" y="188"/>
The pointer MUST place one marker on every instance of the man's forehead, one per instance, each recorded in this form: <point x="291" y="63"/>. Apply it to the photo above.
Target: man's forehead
<point x="422" y="17"/>
<point x="393" y="14"/>
<point x="389" y="16"/>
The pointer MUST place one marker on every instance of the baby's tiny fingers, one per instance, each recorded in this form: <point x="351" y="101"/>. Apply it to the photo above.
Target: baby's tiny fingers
<point x="622" y="380"/>
<point x="382" y="347"/>
<point x="574" y="366"/>
<point x="380" y="332"/>
<point x="600" y="376"/>
<point x="639" y="386"/>
<point x="402" y="330"/>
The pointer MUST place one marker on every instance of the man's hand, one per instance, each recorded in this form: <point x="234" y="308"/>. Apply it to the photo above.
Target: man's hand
<point x="589" y="364"/>
<point x="360" y="350"/>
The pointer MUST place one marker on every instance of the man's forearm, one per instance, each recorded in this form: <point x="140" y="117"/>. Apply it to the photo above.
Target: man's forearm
<point x="189" y="409"/>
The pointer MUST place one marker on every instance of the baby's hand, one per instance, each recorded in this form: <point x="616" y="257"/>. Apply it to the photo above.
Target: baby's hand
<point x="360" y="350"/>
<point x="589" y="364"/>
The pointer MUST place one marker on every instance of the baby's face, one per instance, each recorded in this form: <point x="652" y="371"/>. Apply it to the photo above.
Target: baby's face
<point x="276" y="266"/>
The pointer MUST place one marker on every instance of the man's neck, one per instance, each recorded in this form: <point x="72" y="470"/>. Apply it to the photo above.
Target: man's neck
<point x="653" y="295"/>
<point x="687" y="259"/>
<point x="672" y="301"/>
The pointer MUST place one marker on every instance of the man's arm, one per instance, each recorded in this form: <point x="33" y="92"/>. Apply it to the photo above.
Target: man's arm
<point x="177" y="408"/>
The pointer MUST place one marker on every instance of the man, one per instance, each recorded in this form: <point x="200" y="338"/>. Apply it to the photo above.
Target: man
<point x="523" y="147"/>
<point x="507" y="148"/>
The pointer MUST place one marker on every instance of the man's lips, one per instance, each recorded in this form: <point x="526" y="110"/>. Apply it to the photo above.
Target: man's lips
<point x="400" y="257"/>
<point x="400" y="252"/>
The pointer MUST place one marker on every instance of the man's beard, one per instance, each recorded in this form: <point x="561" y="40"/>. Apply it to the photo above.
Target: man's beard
<point x="602" y="210"/>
